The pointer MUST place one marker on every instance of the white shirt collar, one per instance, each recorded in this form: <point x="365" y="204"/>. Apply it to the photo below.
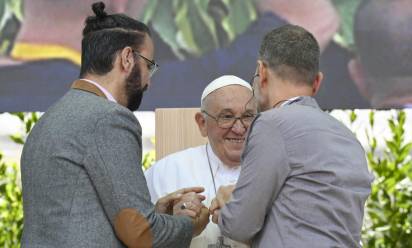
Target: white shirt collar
<point x="290" y="100"/>
<point x="105" y="92"/>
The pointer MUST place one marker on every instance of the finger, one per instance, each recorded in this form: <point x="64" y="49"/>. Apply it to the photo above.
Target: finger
<point x="220" y="201"/>
<point x="196" y="208"/>
<point x="215" y="217"/>
<point x="191" y="200"/>
<point x="223" y="199"/>
<point x="201" y="197"/>
<point x="213" y="206"/>
<point x="191" y="189"/>
<point x="189" y="212"/>
<point x="196" y="202"/>
<point x="175" y="196"/>
<point x="193" y="197"/>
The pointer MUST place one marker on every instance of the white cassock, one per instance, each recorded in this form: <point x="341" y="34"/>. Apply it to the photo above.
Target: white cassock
<point x="189" y="168"/>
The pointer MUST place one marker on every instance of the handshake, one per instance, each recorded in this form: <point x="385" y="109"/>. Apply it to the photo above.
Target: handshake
<point x="188" y="202"/>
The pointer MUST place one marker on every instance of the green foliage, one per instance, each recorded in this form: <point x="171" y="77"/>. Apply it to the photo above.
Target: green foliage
<point x="189" y="26"/>
<point x="193" y="27"/>
<point x="148" y="159"/>
<point x="28" y="120"/>
<point x="11" y="201"/>
<point x="11" y="205"/>
<point x="15" y="8"/>
<point x="353" y="116"/>
<point x="388" y="220"/>
<point x="346" y="10"/>
<point x="11" y="14"/>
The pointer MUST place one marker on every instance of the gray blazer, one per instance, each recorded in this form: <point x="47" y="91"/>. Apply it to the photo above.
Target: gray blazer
<point x="304" y="182"/>
<point x="80" y="166"/>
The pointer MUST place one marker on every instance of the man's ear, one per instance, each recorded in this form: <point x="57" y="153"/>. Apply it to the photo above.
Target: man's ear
<point x="201" y="123"/>
<point x="127" y="59"/>
<point x="263" y="71"/>
<point x="357" y="74"/>
<point x="317" y="83"/>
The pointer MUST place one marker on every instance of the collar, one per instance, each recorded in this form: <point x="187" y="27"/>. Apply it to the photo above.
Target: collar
<point x="32" y="51"/>
<point x="301" y="100"/>
<point x="104" y="90"/>
<point x="290" y="101"/>
<point x="306" y="101"/>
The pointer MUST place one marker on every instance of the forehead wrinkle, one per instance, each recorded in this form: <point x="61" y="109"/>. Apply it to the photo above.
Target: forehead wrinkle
<point x="226" y="99"/>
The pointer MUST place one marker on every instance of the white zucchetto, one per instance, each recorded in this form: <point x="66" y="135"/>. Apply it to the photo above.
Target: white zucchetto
<point x="223" y="81"/>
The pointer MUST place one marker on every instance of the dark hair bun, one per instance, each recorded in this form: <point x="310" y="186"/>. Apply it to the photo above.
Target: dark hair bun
<point x="98" y="9"/>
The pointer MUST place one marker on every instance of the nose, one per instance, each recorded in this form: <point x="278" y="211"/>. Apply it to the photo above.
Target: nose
<point x="238" y="127"/>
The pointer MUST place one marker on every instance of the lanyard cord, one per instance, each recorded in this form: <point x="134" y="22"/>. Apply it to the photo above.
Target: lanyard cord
<point x="211" y="171"/>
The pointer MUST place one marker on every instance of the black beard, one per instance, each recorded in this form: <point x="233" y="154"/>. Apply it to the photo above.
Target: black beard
<point x="134" y="90"/>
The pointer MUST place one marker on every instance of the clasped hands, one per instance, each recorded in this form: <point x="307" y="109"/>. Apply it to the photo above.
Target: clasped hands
<point x="188" y="202"/>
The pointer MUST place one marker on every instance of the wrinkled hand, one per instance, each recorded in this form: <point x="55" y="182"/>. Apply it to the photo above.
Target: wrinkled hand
<point x="200" y="222"/>
<point x="223" y="195"/>
<point x="190" y="204"/>
<point x="165" y="204"/>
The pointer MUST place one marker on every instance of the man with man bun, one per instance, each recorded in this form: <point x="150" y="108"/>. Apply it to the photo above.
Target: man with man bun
<point x="83" y="185"/>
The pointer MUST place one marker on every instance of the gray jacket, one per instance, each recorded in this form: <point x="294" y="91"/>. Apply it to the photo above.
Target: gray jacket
<point x="304" y="182"/>
<point x="81" y="165"/>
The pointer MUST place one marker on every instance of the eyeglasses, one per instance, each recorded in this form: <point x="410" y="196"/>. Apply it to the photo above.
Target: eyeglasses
<point x="227" y="121"/>
<point x="253" y="79"/>
<point x="251" y="83"/>
<point x="151" y="64"/>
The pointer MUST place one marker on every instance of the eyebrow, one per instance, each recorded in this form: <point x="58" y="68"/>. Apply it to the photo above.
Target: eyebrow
<point x="226" y="110"/>
<point x="247" y="111"/>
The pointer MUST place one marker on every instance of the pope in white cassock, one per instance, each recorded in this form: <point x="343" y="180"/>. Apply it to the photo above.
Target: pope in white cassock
<point x="227" y="110"/>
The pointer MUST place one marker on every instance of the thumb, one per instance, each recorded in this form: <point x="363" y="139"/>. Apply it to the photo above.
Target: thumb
<point x="215" y="217"/>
